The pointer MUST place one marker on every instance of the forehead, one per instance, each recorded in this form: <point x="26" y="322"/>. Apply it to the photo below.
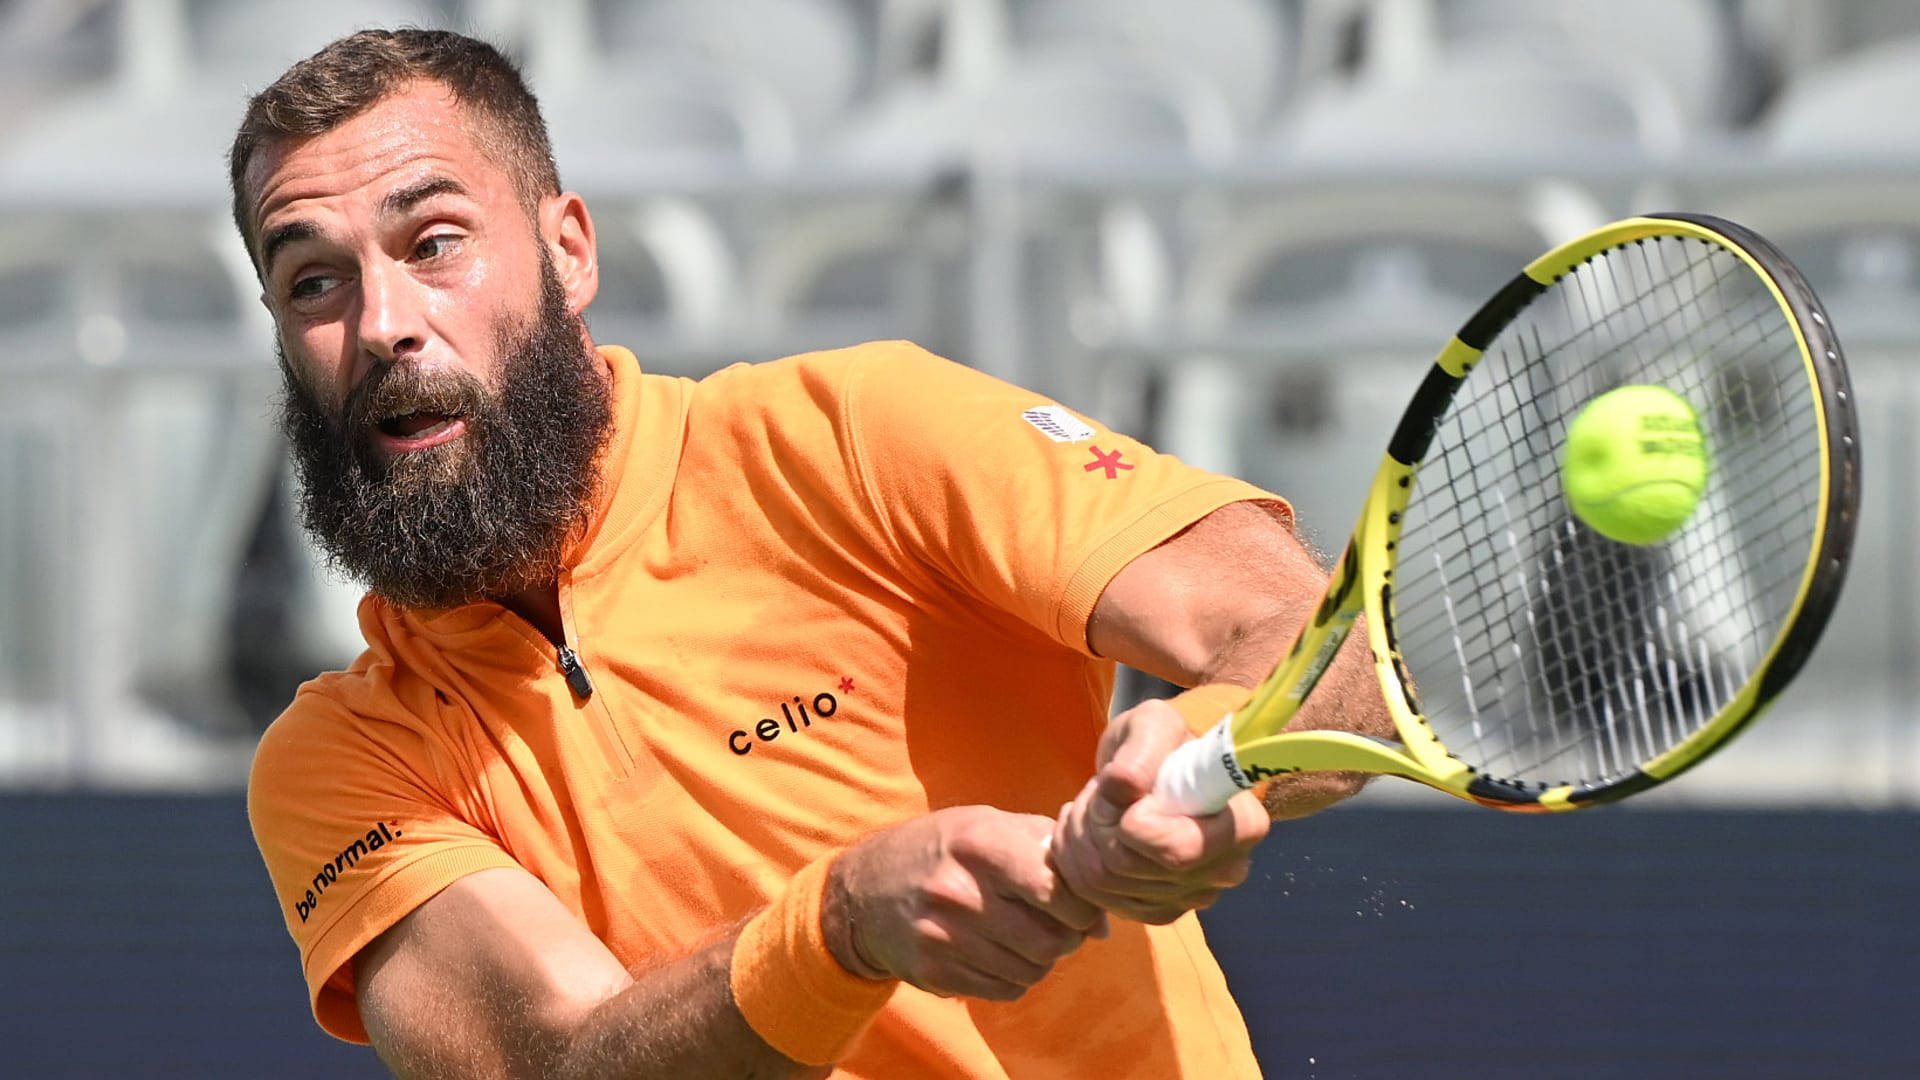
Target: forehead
<point x="418" y="129"/>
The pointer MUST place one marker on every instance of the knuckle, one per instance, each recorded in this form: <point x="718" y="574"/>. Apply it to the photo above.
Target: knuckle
<point x="928" y="936"/>
<point x="950" y="886"/>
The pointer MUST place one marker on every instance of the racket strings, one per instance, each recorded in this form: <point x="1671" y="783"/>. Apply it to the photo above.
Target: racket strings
<point x="1543" y="653"/>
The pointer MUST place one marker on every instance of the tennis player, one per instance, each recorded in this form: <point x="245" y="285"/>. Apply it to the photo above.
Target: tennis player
<point x="739" y="727"/>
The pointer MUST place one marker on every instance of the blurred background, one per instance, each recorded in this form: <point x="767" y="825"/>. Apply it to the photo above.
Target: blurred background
<point x="1235" y="228"/>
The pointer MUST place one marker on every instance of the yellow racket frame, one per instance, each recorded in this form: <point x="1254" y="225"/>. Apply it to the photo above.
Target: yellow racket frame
<point x="1363" y="581"/>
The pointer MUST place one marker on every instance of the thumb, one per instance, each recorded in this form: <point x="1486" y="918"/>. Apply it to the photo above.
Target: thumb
<point x="1153" y="730"/>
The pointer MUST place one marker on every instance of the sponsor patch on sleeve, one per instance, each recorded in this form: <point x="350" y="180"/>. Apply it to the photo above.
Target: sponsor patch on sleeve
<point x="1058" y="424"/>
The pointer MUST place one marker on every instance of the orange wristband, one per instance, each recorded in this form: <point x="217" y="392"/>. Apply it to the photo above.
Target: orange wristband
<point x="789" y="987"/>
<point x="1204" y="706"/>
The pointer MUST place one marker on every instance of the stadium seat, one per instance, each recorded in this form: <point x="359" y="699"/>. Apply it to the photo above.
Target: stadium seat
<point x="1685" y="48"/>
<point x="671" y="276"/>
<point x="1799" y="34"/>
<point x="1837" y="190"/>
<point x="1499" y="107"/>
<point x="245" y="44"/>
<point x="1857" y="106"/>
<point x="1300" y="296"/>
<point x="152" y="354"/>
<point x="650" y="128"/>
<point x="807" y="55"/>
<point x="36" y="507"/>
<point x="1241" y="47"/>
<point x="49" y="49"/>
<point x="1058" y="108"/>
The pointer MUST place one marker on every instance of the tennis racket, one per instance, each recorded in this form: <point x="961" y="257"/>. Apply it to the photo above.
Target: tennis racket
<point x="1528" y="662"/>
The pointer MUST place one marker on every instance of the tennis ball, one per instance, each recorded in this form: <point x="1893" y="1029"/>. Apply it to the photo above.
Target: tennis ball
<point x="1635" y="464"/>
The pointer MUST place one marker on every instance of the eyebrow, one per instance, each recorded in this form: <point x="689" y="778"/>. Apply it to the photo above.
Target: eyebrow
<point x="397" y="201"/>
<point x="400" y="200"/>
<point x="280" y="236"/>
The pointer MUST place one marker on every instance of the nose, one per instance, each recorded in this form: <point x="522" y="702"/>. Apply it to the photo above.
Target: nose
<point x="392" y="312"/>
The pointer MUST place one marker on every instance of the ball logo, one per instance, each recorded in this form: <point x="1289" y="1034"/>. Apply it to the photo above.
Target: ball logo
<point x="1661" y="434"/>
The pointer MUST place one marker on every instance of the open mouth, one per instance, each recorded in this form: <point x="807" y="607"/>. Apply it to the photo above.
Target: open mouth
<point x="419" y="430"/>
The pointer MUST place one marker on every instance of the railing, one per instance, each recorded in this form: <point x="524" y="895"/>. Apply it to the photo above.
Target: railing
<point x="140" y="474"/>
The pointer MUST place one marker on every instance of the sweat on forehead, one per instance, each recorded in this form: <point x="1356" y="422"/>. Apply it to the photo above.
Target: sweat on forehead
<point x="365" y="70"/>
<point x="444" y="130"/>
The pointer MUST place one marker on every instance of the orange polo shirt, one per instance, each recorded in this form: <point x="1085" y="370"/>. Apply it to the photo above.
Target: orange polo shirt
<point x="816" y="597"/>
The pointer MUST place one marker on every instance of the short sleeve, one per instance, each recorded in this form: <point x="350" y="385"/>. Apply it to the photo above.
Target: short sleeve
<point x="1031" y="507"/>
<point x="354" y="837"/>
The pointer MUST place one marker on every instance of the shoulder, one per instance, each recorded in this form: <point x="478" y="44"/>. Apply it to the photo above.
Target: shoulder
<point x="809" y="413"/>
<point x="818" y="380"/>
<point x="343" y="730"/>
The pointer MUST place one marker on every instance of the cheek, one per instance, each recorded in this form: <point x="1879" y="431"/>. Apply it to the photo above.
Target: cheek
<point x="319" y="356"/>
<point x="463" y="302"/>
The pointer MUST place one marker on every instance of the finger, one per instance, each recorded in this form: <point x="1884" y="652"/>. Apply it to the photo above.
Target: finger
<point x="1040" y="883"/>
<point x="1028" y="932"/>
<point x="1009" y="948"/>
<point x="1092" y="866"/>
<point x="1181" y="843"/>
<point x="1097" y="868"/>
<point x="1060" y="903"/>
<point x="1121" y="863"/>
<point x="1152" y="732"/>
<point x="1156" y="912"/>
<point x="1114" y="895"/>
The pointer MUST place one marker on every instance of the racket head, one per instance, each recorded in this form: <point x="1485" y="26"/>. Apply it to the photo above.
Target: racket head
<point x="1530" y="663"/>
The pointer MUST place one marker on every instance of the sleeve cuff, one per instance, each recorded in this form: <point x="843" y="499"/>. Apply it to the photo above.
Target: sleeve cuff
<point x="1138" y="536"/>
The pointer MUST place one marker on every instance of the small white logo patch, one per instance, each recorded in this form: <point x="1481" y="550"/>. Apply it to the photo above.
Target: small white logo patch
<point x="1058" y="424"/>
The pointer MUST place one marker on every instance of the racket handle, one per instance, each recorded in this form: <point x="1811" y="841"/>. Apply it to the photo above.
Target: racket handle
<point x="1202" y="774"/>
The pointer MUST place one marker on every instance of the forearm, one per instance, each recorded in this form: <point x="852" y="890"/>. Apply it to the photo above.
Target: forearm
<point x="1346" y="698"/>
<point x="1258" y="619"/>
<point x="493" y="979"/>
<point x="775" y="1000"/>
<point x="677" y="1021"/>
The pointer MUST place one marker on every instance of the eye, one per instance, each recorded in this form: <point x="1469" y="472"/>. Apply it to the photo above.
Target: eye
<point x="434" y="246"/>
<point x="310" y="287"/>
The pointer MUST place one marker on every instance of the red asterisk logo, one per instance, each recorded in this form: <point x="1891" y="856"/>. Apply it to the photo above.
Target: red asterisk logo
<point x="1110" y="462"/>
<point x="846" y="685"/>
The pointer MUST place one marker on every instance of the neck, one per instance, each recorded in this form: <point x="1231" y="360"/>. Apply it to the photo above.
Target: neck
<point x="540" y="606"/>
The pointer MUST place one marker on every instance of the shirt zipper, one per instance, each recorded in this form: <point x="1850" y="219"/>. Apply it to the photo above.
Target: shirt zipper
<point x="575" y="672"/>
<point x="599" y="721"/>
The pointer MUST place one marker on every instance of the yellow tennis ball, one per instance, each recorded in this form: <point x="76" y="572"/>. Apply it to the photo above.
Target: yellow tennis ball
<point x="1635" y="464"/>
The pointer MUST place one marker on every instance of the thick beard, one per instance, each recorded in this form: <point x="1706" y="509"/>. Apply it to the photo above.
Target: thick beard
<point x="484" y="516"/>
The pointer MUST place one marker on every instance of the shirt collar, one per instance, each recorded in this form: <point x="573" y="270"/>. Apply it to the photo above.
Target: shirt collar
<point x="637" y="467"/>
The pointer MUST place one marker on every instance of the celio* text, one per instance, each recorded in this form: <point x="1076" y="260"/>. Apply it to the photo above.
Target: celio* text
<point x="798" y="719"/>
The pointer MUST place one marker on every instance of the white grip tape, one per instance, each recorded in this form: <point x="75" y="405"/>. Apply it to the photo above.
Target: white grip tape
<point x="1202" y="774"/>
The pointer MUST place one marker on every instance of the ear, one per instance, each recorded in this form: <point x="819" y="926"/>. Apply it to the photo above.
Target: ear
<point x="567" y="230"/>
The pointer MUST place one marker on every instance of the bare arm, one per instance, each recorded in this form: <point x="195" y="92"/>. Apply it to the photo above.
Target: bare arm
<point x="1219" y="603"/>
<point x="495" y="978"/>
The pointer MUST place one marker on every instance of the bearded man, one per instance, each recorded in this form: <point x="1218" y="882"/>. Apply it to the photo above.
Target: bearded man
<point x="753" y="726"/>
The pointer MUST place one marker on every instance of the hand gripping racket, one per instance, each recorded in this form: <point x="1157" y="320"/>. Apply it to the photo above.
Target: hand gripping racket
<point x="1528" y="662"/>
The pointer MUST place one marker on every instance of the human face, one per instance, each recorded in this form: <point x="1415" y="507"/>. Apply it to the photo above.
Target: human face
<point x="484" y="516"/>
<point x="395" y="237"/>
<point x="444" y="438"/>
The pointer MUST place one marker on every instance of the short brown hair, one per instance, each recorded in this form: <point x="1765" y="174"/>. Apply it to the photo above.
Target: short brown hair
<point x="357" y="72"/>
